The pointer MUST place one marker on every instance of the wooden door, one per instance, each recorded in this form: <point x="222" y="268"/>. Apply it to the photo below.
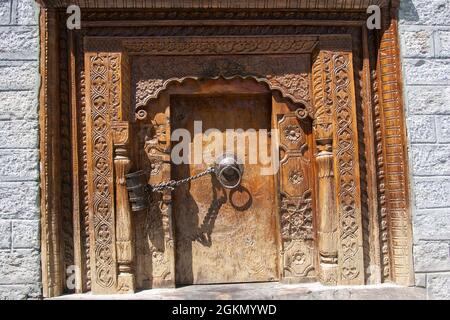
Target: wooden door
<point x="224" y="236"/>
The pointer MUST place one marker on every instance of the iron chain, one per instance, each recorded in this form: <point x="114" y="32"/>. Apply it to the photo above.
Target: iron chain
<point x="172" y="184"/>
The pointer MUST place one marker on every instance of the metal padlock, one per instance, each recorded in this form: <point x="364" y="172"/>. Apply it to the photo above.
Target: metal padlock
<point x="138" y="190"/>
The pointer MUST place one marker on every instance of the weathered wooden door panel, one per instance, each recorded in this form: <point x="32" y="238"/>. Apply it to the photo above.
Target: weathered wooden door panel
<point x="222" y="235"/>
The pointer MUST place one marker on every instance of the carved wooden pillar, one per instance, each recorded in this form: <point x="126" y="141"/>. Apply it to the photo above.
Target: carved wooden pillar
<point x="323" y="134"/>
<point x="335" y="128"/>
<point x="124" y="225"/>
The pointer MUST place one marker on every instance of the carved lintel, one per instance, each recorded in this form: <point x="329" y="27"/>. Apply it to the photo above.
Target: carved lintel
<point x="205" y="45"/>
<point x="216" y="4"/>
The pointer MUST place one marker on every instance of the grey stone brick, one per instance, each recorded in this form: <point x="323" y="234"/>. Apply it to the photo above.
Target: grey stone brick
<point x="443" y="128"/>
<point x="421" y="128"/>
<point x="18" y="134"/>
<point x="5" y="234"/>
<point x="427" y="71"/>
<point x="19" y="200"/>
<point x="20" y="292"/>
<point x="20" y="267"/>
<point x="17" y="165"/>
<point x="18" y="105"/>
<point x="432" y="224"/>
<point x="421" y="280"/>
<point x="417" y="43"/>
<point x="425" y="12"/>
<point x="438" y="286"/>
<point x="18" y="75"/>
<point x="442" y="43"/>
<point x="5" y="11"/>
<point x="19" y="42"/>
<point x="428" y="100"/>
<point x="26" y="12"/>
<point x="430" y="159"/>
<point x="432" y="256"/>
<point x="432" y="192"/>
<point x="25" y="234"/>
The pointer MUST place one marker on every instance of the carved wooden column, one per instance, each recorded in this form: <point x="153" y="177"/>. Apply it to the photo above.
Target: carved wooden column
<point x="124" y="225"/>
<point x="323" y="134"/>
<point x="337" y="160"/>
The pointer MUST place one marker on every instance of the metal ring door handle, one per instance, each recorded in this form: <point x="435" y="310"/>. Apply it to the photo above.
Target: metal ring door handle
<point x="228" y="171"/>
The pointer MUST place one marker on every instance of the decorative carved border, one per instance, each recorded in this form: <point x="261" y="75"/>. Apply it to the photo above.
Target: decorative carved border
<point x="217" y="4"/>
<point x="347" y="172"/>
<point x="50" y="185"/>
<point x="396" y="229"/>
<point x="102" y="107"/>
<point x="396" y="223"/>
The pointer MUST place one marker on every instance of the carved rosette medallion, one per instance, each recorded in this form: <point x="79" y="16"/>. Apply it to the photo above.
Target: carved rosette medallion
<point x="296" y="217"/>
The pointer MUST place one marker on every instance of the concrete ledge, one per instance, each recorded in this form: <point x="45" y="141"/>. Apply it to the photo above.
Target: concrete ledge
<point x="267" y="291"/>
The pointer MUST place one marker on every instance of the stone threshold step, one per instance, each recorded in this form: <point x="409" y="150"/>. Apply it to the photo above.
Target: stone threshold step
<point x="266" y="291"/>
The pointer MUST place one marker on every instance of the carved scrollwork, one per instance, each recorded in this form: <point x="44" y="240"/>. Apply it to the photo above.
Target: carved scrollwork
<point x="346" y="170"/>
<point x="247" y="58"/>
<point x="220" y="45"/>
<point x="150" y="89"/>
<point x="102" y="202"/>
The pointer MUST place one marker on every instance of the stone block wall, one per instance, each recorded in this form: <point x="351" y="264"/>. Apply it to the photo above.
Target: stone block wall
<point x="20" y="275"/>
<point x="425" y="46"/>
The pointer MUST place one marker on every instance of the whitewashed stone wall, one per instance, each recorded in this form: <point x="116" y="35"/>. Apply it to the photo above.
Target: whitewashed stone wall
<point x="20" y="276"/>
<point x="425" y="37"/>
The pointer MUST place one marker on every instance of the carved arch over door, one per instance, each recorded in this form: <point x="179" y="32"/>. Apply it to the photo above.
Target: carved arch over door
<point x="375" y="97"/>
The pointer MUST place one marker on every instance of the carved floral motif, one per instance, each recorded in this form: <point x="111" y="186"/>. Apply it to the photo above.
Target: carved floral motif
<point x="293" y="133"/>
<point x="296" y="177"/>
<point x="296" y="217"/>
<point x="298" y="259"/>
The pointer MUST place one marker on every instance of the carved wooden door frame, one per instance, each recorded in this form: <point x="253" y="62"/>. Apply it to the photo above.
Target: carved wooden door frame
<point x="73" y="90"/>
